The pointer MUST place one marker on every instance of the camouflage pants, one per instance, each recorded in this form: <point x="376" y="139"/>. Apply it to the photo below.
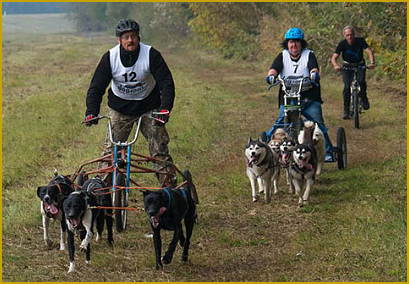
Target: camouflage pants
<point x="155" y="134"/>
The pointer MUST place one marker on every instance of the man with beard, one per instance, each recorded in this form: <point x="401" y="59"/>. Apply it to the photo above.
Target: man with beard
<point x="140" y="82"/>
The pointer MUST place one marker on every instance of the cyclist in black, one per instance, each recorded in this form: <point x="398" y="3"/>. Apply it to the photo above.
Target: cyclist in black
<point x="352" y="49"/>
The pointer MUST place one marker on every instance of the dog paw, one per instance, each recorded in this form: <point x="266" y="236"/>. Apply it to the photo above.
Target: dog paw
<point x="72" y="266"/>
<point x="261" y="191"/>
<point x="48" y="242"/>
<point x="159" y="266"/>
<point x="166" y="259"/>
<point x="184" y="258"/>
<point x="255" y="199"/>
<point x="62" y="247"/>
<point x="83" y="248"/>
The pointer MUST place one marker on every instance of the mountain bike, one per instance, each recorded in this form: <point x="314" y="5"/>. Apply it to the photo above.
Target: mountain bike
<point x="355" y="106"/>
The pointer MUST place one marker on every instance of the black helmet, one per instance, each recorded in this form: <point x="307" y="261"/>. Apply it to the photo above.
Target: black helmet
<point x="126" y="25"/>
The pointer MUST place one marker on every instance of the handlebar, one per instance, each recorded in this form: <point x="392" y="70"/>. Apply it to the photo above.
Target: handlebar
<point x="282" y="80"/>
<point x="356" y="68"/>
<point x="150" y="114"/>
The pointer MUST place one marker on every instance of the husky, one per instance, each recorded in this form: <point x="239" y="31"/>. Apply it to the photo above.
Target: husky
<point x="304" y="167"/>
<point x="287" y="147"/>
<point x="260" y="167"/>
<point x="319" y="143"/>
<point x="274" y="144"/>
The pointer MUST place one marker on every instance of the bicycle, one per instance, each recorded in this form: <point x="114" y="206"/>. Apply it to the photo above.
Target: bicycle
<point x="355" y="106"/>
<point x="122" y="162"/>
<point x="293" y="122"/>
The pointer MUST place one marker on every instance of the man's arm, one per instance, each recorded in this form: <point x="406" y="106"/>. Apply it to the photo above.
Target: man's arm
<point x="99" y="82"/>
<point x="334" y="61"/>
<point x="163" y="78"/>
<point x="371" y="58"/>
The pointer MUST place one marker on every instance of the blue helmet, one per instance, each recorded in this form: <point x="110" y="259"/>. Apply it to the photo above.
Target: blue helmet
<point x="294" y="33"/>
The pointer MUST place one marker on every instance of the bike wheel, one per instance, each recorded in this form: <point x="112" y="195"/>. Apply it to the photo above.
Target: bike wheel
<point x="356" y="109"/>
<point x="342" y="148"/>
<point x="120" y="200"/>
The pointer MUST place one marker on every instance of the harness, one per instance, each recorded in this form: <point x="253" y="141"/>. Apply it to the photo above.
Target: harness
<point x="183" y="191"/>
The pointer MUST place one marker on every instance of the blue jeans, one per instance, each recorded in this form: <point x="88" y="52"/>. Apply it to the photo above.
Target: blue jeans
<point x="311" y="110"/>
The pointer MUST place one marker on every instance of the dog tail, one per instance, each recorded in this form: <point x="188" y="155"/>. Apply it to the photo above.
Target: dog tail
<point x="55" y="172"/>
<point x="187" y="176"/>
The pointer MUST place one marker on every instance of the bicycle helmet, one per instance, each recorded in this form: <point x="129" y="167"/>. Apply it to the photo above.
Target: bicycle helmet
<point x="126" y="25"/>
<point x="294" y="33"/>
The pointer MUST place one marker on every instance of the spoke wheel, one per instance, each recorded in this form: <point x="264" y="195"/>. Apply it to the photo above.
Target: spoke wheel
<point x="120" y="200"/>
<point x="356" y="109"/>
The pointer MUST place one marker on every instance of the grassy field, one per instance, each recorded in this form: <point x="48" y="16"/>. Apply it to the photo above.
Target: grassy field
<point x="353" y="230"/>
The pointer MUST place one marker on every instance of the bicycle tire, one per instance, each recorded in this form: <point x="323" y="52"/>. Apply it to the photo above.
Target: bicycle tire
<point x="342" y="149"/>
<point x="356" y="109"/>
<point x="120" y="200"/>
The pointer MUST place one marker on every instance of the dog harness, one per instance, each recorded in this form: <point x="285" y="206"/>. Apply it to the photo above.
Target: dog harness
<point x="183" y="191"/>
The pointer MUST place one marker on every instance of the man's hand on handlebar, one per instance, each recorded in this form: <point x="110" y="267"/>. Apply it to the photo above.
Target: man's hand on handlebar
<point x="315" y="77"/>
<point x="90" y="120"/>
<point x="270" y="79"/>
<point x="162" y="116"/>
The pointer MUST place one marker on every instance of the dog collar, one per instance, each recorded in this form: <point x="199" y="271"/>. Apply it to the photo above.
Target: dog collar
<point x="168" y="193"/>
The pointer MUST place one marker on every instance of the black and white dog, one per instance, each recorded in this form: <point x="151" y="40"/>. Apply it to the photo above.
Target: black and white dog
<point x="287" y="148"/>
<point x="166" y="209"/>
<point x="81" y="212"/>
<point x="261" y="168"/>
<point x="304" y="167"/>
<point x="52" y="197"/>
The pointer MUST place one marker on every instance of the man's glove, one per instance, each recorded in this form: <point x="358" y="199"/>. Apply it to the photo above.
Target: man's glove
<point x="162" y="116"/>
<point x="270" y="79"/>
<point x="90" y="120"/>
<point x="315" y="77"/>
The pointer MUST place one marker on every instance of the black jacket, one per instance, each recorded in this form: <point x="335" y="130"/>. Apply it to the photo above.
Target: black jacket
<point x="162" y="96"/>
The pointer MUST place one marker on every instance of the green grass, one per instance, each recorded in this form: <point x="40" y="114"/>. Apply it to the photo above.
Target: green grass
<point x="354" y="228"/>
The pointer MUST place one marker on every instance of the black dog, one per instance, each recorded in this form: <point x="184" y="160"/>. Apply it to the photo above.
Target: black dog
<point x="81" y="213"/>
<point x="166" y="209"/>
<point x="52" y="197"/>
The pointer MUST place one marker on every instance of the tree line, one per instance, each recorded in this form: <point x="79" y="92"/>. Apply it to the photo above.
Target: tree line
<point x="255" y="30"/>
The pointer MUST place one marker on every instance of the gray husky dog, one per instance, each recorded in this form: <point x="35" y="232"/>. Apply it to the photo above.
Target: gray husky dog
<point x="261" y="168"/>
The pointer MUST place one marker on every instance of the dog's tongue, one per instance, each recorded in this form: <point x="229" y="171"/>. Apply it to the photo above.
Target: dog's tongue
<point x="284" y="158"/>
<point x="251" y="162"/>
<point x="52" y="209"/>
<point x="305" y="165"/>
<point x="74" y="222"/>
<point x="162" y="210"/>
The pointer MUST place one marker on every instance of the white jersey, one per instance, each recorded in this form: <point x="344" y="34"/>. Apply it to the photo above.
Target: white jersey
<point x="293" y="68"/>
<point x="135" y="82"/>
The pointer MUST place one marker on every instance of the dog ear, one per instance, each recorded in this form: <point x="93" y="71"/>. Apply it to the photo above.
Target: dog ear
<point x="146" y="192"/>
<point x="39" y="189"/>
<point x="248" y="142"/>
